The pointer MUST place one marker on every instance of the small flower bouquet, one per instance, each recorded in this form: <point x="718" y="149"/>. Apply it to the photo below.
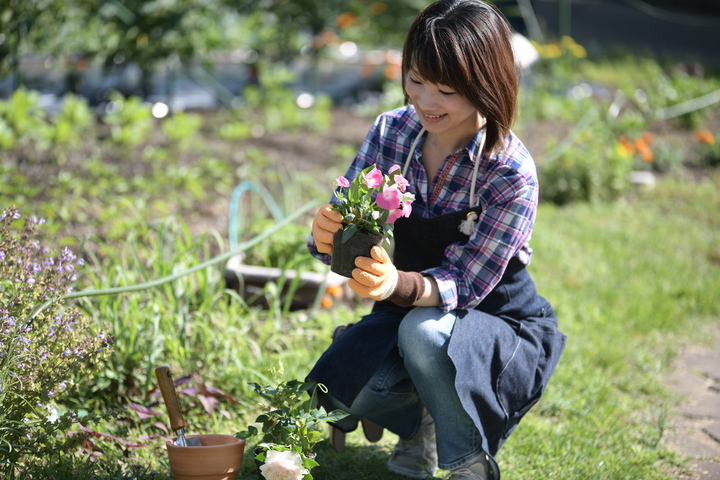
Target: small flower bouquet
<point x="372" y="202"/>
<point x="290" y="429"/>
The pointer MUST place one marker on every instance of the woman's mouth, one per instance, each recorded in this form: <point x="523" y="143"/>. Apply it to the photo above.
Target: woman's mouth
<point x="434" y="117"/>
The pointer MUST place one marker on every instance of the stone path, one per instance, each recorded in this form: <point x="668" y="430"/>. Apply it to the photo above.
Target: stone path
<point x="695" y="423"/>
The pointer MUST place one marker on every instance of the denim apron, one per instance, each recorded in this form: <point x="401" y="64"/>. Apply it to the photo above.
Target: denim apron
<point x="504" y="357"/>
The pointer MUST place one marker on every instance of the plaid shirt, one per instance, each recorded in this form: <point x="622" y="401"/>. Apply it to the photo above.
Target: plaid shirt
<point x="506" y="189"/>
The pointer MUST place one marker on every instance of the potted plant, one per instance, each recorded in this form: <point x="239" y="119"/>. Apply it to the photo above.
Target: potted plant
<point x="370" y="205"/>
<point x="290" y="429"/>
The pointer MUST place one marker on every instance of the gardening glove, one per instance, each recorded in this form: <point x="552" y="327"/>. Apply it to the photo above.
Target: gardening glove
<point x="377" y="278"/>
<point x="325" y="224"/>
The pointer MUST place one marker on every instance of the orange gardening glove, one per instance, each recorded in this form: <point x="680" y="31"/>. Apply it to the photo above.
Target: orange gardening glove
<point x="374" y="277"/>
<point x="325" y="224"/>
<point x="377" y="278"/>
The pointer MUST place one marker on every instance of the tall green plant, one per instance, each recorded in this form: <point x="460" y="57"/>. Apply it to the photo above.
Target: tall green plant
<point x="44" y="345"/>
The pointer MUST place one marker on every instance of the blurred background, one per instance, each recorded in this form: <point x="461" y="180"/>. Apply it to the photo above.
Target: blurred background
<point x="199" y="55"/>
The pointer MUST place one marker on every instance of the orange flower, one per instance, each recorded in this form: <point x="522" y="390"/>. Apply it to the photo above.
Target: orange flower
<point x="648" y="137"/>
<point x="629" y="146"/>
<point x="334" y="290"/>
<point x="326" y="301"/>
<point x="644" y="150"/>
<point x="704" y="136"/>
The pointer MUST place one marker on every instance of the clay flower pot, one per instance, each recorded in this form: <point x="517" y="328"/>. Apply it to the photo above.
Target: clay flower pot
<point x="219" y="458"/>
<point x="344" y="254"/>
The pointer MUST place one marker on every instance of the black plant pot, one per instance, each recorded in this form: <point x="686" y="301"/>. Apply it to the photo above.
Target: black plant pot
<point x="344" y="254"/>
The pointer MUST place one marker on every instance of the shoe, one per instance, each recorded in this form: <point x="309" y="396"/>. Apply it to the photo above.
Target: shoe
<point x="417" y="457"/>
<point x="484" y="469"/>
<point x="464" y="473"/>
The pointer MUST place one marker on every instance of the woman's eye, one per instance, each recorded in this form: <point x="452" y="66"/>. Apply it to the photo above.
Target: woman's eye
<point x="416" y="82"/>
<point x="447" y="93"/>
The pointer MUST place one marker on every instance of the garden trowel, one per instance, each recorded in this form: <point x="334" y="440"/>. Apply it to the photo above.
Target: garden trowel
<point x="177" y="423"/>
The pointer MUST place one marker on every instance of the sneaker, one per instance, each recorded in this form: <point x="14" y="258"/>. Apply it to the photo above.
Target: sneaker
<point x="480" y="470"/>
<point x="417" y="457"/>
<point x="464" y="473"/>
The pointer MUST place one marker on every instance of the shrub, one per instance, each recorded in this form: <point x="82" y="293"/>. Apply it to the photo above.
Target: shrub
<point x="594" y="169"/>
<point x="708" y="154"/>
<point x="43" y="345"/>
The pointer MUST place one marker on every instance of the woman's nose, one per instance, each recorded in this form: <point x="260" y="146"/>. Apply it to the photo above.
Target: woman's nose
<point x="427" y="100"/>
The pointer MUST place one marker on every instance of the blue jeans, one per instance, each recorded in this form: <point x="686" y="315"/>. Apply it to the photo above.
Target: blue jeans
<point x="423" y="375"/>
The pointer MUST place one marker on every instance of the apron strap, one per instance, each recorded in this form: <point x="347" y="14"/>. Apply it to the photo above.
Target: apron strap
<point x="468" y="225"/>
<point x="478" y="152"/>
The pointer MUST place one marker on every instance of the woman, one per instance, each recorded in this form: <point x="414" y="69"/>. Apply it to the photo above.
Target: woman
<point x="459" y="345"/>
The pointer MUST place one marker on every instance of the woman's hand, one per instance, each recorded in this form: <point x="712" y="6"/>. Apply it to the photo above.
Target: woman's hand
<point x="326" y="223"/>
<point x="374" y="277"/>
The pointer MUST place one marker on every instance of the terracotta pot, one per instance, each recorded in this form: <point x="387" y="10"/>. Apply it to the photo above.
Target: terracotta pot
<point x="344" y="254"/>
<point x="219" y="458"/>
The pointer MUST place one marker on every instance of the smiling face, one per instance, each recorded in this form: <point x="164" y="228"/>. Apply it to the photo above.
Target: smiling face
<point x="440" y="108"/>
<point x="461" y="47"/>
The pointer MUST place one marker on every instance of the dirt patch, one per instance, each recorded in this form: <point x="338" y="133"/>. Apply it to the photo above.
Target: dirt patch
<point x="695" y="422"/>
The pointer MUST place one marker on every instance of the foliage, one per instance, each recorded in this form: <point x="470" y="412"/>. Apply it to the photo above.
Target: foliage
<point x="73" y="122"/>
<point x="292" y="418"/>
<point x="709" y="149"/>
<point x="44" y="345"/>
<point x="182" y="127"/>
<point x="273" y="104"/>
<point x="22" y="121"/>
<point x="24" y="124"/>
<point x="130" y="121"/>
<point x="372" y="202"/>
<point x="595" y="169"/>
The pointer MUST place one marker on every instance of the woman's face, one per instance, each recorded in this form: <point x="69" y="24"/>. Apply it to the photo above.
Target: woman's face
<point x="440" y="108"/>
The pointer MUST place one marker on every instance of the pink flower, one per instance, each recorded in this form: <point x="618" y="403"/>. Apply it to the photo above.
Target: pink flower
<point x="374" y="179"/>
<point x="404" y="210"/>
<point x="407" y="208"/>
<point x="282" y="466"/>
<point x="389" y="198"/>
<point x="394" y="168"/>
<point x="342" y="182"/>
<point x="394" y="215"/>
<point x="401" y="183"/>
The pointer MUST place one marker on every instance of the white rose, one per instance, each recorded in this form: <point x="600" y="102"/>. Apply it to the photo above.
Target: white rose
<point x="282" y="466"/>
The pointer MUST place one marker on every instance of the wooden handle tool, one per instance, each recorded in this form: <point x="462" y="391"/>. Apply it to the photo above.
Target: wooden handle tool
<point x="177" y="422"/>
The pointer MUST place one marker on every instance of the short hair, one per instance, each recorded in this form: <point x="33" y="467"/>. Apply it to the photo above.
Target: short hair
<point x="467" y="45"/>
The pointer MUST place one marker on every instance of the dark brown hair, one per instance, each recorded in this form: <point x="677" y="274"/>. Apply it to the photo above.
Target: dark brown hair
<point x="466" y="45"/>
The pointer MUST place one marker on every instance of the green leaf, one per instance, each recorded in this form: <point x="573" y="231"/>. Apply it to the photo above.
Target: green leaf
<point x="349" y="231"/>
